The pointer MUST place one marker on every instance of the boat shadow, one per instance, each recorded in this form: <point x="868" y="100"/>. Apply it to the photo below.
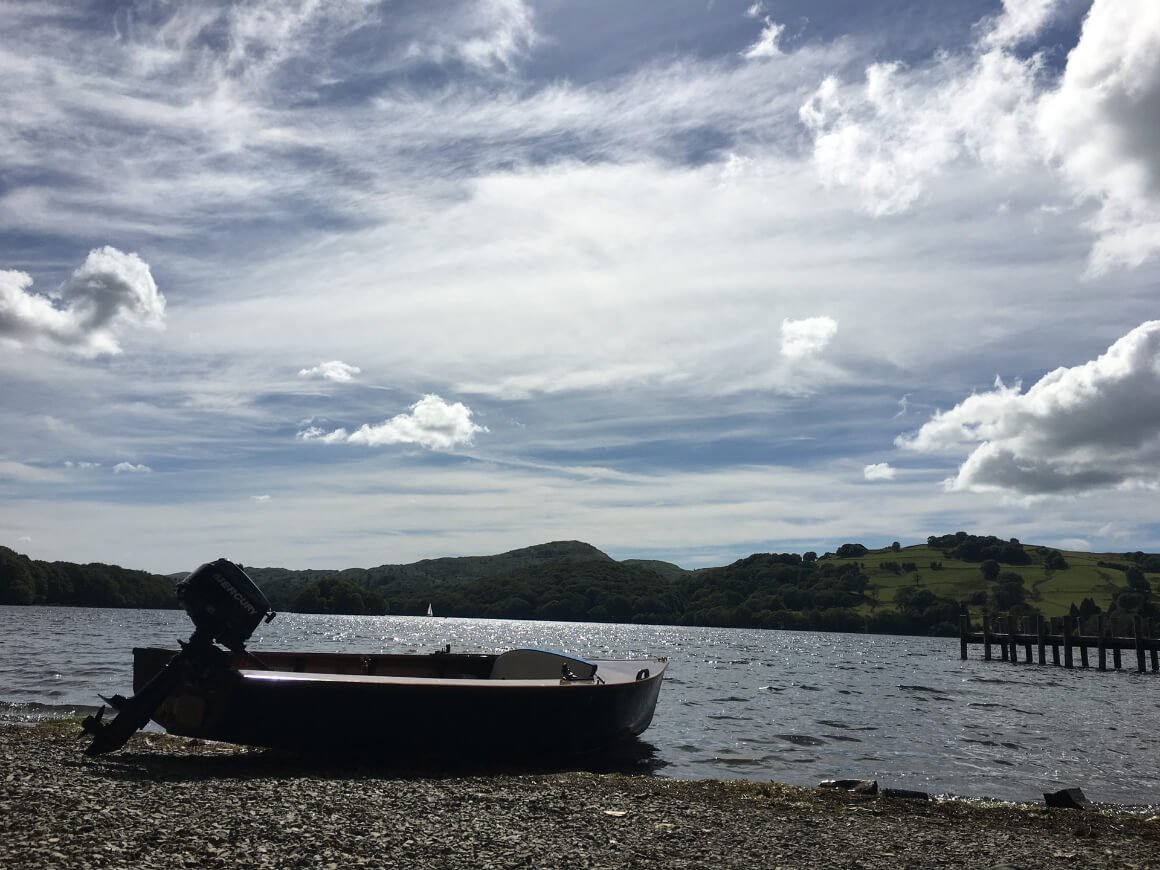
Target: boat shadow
<point x="198" y="760"/>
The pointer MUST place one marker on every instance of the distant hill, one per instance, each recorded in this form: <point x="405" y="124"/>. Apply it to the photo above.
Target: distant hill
<point x="31" y="581"/>
<point x="917" y="589"/>
<point x="423" y="578"/>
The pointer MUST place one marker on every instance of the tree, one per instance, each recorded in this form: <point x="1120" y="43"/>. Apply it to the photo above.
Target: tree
<point x="16" y="583"/>
<point x="990" y="569"/>
<point x="896" y="546"/>
<point x="1137" y="581"/>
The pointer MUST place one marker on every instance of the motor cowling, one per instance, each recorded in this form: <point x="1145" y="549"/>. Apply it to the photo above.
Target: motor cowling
<point x="224" y="603"/>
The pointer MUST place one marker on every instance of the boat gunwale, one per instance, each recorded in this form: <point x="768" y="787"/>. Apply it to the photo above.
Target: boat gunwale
<point x="613" y="676"/>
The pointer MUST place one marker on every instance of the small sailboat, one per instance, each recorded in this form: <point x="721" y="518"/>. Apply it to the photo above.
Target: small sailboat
<point x="430" y="612"/>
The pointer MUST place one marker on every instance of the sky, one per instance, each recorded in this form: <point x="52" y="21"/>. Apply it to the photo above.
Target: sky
<point x="339" y="284"/>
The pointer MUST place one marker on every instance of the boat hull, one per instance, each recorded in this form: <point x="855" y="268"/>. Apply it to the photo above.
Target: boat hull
<point x="404" y="706"/>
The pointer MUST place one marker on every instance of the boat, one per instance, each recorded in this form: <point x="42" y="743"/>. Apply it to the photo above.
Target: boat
<point x="430" y="612"/>
<point x="523" y="702"/>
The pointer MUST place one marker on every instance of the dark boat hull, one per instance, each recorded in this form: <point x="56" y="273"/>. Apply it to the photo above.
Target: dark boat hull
<point x="404" y="706"/>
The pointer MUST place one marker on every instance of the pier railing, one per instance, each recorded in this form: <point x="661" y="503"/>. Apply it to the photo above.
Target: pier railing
<point x="1067" y="634"/>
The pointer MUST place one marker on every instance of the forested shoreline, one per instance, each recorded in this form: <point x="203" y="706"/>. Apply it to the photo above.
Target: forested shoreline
<point x="919" y="589"/>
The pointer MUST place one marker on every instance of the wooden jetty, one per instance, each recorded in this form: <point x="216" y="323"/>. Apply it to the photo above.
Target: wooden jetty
<point x="1062" y="633"/>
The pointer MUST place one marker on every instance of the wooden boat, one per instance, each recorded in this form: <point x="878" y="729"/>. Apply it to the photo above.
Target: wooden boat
<point x="521" y="702"/>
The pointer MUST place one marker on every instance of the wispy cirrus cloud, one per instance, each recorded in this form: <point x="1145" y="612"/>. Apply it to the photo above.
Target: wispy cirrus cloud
<point x="767" y="44"/>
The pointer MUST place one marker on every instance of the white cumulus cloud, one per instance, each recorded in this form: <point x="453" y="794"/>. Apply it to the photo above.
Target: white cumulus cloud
<point x="111" y="290"/>
<point x="335" y="370"/>
<point x="803" y="338"/>
<point x="431" y="422"/>
<point x="1092" y="426"/>
<point x="1102" y="125"/>
<point x="131" y="468"/>
<point x="889" y="136"/>
<point x="878" y="471"/>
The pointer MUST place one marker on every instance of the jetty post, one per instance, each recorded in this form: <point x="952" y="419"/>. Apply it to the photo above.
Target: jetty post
<point x="1083" y="647"/>
<point x="1100" y="634"/>
<point x="1067" y="656"/>
<point x="1102" y="630"/>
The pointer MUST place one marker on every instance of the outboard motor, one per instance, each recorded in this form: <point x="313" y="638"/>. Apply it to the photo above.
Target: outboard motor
<point x="225" y="606"/>
<point x="224" y="603"/>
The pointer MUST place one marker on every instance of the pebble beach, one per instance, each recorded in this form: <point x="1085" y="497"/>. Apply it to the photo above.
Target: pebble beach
<point x="167" y="802"/>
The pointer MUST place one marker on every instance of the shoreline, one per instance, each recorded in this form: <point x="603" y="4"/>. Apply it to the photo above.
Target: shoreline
<point x="170" y="802"/>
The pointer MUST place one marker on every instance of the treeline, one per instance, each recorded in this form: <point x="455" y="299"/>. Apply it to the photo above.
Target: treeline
<point x="773" y="591"/>
<point x="29" y="581"/>
<point x="852" y="589"/>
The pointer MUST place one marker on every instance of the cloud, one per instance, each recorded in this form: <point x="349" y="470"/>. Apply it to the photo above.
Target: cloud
<point x="755" y="10"/>
<point x="431" y="423"/>
<point x="259" y="498"/>
<point x="878" y="471"/>
<point x="130" y="468"/>
<point x="766" y="45"/>
<point x="23" y="472"/>
<point x="1019" y="21"/>
<point x="335" y="370"/>
<point x="1102" y="125"/>
<point x="803" y="338"/>
<point x="110" y="291"/>
<point x="889" y="137"/>
<point x="69" y="463"/>
<point x="490" y="35"/>
<point x="892" y="135"/>
<point x="1093" y="426"/>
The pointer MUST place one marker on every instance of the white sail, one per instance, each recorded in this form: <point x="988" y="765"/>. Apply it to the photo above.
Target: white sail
<point x="430" y="612"/>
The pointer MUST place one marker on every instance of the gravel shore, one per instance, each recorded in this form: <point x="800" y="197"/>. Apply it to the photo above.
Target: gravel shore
<point x="168" y="802"/>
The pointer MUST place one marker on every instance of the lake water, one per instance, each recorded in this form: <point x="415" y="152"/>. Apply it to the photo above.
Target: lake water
<point x="793" y="707"/>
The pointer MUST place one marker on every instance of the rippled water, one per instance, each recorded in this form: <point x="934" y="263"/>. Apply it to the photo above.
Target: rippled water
<point x="794" y="707"/>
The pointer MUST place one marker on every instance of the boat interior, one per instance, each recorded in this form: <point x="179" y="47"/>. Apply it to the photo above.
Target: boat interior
<point x="516" y="664"/>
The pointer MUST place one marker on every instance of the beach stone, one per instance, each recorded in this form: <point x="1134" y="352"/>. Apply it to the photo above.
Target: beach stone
<point x="1067" y="798"/>
<point x="162" y="803"/>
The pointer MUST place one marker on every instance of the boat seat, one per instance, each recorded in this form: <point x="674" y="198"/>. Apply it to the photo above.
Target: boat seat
<point x="540" y="664"/>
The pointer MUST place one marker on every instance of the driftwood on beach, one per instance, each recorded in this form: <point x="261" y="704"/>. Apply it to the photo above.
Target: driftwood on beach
<point x="165" y="802"/>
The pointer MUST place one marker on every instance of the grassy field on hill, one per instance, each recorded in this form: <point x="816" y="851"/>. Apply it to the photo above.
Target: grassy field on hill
<point x="1051" y="592"/>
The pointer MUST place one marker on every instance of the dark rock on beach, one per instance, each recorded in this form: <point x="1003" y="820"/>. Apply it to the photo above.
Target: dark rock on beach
<point x="166" y="802"/>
